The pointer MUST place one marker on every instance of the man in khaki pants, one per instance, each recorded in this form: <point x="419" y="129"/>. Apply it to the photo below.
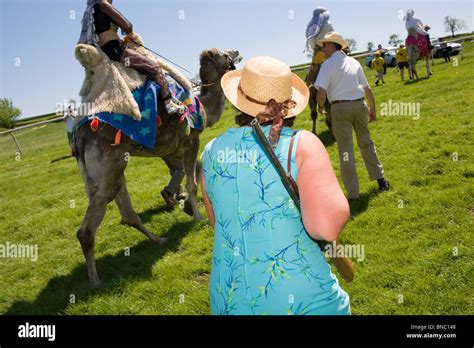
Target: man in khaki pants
<point x="342" y="80"/>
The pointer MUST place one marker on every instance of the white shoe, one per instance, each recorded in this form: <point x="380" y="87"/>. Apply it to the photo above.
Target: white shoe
<point x="175" y="107"/>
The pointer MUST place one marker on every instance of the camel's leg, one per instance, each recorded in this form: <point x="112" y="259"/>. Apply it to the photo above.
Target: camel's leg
<point x="86" y="235"/>
<point x="129" y="216"/>
<point x="177" y="175"/>
<point x="189" y="164"/>
<point x="313" y="107"/>
<point x="102" y="169"/>
<point x="428" y="70"/>
<point x="173" y="188"/>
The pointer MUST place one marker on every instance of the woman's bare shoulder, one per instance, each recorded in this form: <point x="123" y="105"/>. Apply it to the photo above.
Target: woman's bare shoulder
<point x="309" y="147"/>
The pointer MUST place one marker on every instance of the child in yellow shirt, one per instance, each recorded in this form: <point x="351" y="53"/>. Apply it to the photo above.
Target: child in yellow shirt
<point x="402" y="60"/>
<point x="377" y="65"/>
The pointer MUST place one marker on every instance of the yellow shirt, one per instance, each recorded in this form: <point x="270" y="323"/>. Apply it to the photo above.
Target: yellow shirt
<point x="318" y="58"/>
<point x="402" y="55"/>
<point x="377" y="63"/>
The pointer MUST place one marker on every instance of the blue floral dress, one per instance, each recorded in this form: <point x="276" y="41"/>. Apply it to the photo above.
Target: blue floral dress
<point x="263" y="260"/>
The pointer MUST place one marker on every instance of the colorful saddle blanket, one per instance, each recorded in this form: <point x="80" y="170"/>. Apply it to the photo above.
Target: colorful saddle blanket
<point x="144" y="131"/>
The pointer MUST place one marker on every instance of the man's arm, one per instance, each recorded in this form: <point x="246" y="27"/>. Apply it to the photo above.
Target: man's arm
<point x="321" y="97"/>
<point x="322" y="84"/>
<point x="368" y="92"/>
<point x="369" y="95"/>
<point x="116" y="17"/>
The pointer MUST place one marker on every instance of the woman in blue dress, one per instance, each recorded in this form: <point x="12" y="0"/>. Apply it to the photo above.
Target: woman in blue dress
<point x="265" y="260"/>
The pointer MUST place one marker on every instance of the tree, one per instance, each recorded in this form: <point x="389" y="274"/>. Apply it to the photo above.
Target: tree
<point x="370" y="46"/>
<point x="8" y="113"/>
<point x="453" y="24"/>
<point x="352" y="44"/>
<point x="394" y="40"/>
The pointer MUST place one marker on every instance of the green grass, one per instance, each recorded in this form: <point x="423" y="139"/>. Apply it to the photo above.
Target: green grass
<point x="408" y="250"/>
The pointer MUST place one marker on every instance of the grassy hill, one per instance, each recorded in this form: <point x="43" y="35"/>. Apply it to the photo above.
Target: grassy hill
<point x="417" y="237"/>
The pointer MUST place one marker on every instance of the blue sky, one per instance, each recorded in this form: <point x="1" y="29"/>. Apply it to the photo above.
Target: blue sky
<point x="37" y="37"/>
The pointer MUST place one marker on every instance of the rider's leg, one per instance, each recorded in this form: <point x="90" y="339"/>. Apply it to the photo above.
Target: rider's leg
<point x="143" y="64"/>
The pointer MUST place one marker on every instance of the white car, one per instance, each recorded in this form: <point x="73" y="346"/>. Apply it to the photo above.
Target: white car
<point x="453" y="47"/>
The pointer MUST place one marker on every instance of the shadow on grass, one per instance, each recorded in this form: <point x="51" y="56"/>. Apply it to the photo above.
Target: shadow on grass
<point x="146" y="215"/>
<point x="326" y="138"/>
<point x="60" y="159"/>
<point x="362" y="203"/>
<point x="114" y="270"/>
<point x="410" y="82"/>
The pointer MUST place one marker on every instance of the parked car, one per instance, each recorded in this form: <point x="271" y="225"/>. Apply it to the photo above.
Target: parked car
<point x="454" y="48"/>
<point x="389" y="57"/>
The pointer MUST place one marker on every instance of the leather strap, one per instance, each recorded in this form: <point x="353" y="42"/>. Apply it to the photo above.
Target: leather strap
<point x="288" y="172"/>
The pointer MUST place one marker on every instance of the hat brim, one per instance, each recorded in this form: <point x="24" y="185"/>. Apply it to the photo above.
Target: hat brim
<point x="342" y="43"/>
<point x="230" y="85"/>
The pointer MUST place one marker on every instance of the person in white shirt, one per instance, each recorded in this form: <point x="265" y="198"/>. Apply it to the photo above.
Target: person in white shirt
<point x="70" y="117"/>
<point x="342" y="80"/>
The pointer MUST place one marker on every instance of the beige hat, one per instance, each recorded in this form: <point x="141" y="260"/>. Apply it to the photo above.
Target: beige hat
<point x="333" y="37"/>
<point x="262" y="79"/>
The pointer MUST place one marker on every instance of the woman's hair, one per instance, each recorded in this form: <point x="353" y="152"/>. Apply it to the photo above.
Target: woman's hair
<point x="243" y="119"/>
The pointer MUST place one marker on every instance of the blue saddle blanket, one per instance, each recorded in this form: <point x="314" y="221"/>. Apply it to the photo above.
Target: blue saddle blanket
<point x="144" y="131"/>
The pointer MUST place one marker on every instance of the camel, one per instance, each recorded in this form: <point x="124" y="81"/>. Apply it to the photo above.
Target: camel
<point x="415" y="53"/>
<point x="102" y="166"/>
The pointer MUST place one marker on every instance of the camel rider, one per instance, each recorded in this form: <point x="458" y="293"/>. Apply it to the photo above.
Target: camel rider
<point x="317" y="27"/>
<point x="417" y="36"/>
<point x="102" y="16"/>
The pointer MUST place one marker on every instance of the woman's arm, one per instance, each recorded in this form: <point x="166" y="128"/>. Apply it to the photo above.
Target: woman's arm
<point x="324" y="207"/>
<point x="207" y="202"/>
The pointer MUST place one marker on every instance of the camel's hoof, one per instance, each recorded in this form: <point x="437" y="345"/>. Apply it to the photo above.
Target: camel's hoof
<point x="159" y="240"/>
<point x="188" y="208"/>
<point x="198" y="218"/>
<point x="169" y="200"/>
<point x="96" y="284"/>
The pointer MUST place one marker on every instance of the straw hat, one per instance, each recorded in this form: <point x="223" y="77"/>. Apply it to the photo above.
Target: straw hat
<point x="333" y="37"/>
<point x="262" y="79"/>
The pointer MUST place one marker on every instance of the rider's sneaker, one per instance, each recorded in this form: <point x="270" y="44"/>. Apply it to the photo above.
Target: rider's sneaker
<point x="175" y="107"/>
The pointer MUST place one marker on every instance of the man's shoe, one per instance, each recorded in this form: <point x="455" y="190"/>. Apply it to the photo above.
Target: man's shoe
<point x="384" y="185"/>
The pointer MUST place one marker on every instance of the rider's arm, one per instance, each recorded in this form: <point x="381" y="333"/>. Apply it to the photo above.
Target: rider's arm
<point x="116" y="17"/>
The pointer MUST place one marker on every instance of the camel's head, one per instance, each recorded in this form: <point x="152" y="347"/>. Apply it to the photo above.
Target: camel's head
<point x="222" y="61"/>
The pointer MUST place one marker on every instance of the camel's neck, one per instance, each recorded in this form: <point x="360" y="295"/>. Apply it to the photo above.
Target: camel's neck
<point x="211" y="97"/>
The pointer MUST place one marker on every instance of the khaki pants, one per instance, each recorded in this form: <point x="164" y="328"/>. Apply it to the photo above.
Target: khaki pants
<point x="345" y="117"/>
